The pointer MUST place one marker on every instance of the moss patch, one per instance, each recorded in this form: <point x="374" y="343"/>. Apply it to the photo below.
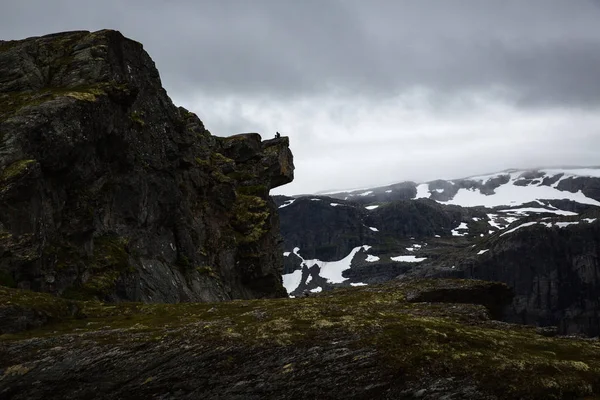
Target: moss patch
<point x="109" y="262"/>
<point x="15" y="169"/>
<point x="250" y="215"/>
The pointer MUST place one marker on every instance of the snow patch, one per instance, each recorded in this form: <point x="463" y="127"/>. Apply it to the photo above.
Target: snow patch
<point x="358" y="284"/>
<point x="527" y="210"/>
<point x="462" y="226"/>
<point x="519" y="227"/>
<point x="292" y="281"/>
<point x="317" y="289"/>
<point x="423" y="191"/>
<point x="482" y="252"/>
<point x="413" y="259"/>
<point x="371" y="258"/>
<point x="371" y="207"/>
<point x="510" y="193"/>
<point x="287" y="203"/>
<point x="374" y="229"/>
<point x="286" y="254"/>
<point x="565" y="224"/>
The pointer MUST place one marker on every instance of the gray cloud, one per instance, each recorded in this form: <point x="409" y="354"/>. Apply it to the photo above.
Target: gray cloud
<point x="543" y="51"/>
<point x="373" y="91"/>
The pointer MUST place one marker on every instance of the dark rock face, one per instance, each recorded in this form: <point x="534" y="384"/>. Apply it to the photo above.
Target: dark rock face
<point x="553" y="272"/>
<point x="419" y="218"/>
<point x="495" y="296"/>
<point x="107" y="190"/>
<point x="321" y="230"/>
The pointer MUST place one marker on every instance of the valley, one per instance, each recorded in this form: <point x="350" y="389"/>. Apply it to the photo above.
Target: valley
<point x="537" y="231"/>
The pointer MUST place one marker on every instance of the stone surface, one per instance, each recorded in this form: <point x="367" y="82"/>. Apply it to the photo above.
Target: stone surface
<point x="109" y="191"/>
<point x="359" y="343"/>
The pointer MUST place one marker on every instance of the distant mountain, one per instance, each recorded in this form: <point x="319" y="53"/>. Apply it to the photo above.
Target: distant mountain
<point x="509" y="188"/>
<point x="537" y="231"/>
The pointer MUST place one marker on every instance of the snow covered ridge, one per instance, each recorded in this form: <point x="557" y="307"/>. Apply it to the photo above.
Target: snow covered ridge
<point x="513" y="188"/>
<point x="550" y="224"/>
<point x="507" y="188"/>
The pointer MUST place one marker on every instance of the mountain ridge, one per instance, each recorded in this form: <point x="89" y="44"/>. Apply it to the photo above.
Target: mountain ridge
<point x="448" y="229"/>
<point x="418" y="182"/>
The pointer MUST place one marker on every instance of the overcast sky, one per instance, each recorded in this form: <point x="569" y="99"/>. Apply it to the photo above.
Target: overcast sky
<point x="369" y="91"/>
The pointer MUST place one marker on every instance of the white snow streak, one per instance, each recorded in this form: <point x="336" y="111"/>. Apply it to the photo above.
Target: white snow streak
<point x="287" y="203"/>
<point x="412" y="259"/>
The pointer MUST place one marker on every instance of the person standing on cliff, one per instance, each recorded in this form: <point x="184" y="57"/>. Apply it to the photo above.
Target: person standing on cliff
<point x="277" y="135"/>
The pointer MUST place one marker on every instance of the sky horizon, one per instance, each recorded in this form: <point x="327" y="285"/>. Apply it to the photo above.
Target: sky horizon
<point x="369" y="93"/>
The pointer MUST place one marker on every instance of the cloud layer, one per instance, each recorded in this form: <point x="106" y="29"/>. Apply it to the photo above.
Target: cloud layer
<point x="369" y="92"/>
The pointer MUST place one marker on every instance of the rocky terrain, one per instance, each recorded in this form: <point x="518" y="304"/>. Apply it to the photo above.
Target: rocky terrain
<point x="400" y="340"/>
<point x="537" y="231"/>
<point x="124" y="224"/>
<point x="108" y="191"/>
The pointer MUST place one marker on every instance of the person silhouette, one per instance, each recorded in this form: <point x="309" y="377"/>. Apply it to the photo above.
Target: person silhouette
<point x="277" y="135"/>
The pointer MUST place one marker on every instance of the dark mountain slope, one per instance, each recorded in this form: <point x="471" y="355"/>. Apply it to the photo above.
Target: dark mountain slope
<point x="550" y="259"/>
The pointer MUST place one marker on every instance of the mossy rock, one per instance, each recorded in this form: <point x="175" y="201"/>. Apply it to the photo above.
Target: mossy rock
<point x="409" y="346"/>
<point x="15" y="169"/>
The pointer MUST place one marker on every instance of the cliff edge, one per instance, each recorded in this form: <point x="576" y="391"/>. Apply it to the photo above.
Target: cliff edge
<point x="109" y="191"/>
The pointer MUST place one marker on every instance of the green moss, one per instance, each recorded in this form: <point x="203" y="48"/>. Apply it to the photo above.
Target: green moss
<point x="12" y="103"/>
<point x="220" y="160"/>
<point x="138" y="118"/>
<point x="53" y="307"/>
<point x="15" y="169"/>
<point x="255" y="190"/>
<point x="241" y="176"/>
<point x="250" y="215"/>
<point x="413" y="340"/>
<point x="220" y="177"/>
<point x="206" y="270"/>
<point x="110" y="260"/>
<point x="202" y="163"/>
<point x="7" y="45"/>
<point x="110" y="251"/>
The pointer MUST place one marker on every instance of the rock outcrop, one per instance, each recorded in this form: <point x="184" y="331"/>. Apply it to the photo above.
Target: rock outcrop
<point x="358" y="343"/>
<point x="553" y="272"/>
<point x="109" y="191"/>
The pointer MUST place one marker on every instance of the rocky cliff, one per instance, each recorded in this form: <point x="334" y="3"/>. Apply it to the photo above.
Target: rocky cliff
<point x="554" y="272"/>
<point x="109" y="191"/>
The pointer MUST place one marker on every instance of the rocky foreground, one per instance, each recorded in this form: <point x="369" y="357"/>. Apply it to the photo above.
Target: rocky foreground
<point x="401" y="340"/>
